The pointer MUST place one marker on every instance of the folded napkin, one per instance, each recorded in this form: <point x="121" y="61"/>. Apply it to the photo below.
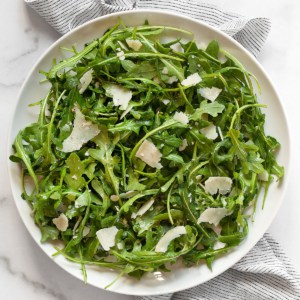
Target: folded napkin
<point x="265" y="272"/>
<point x="64" y="15"/>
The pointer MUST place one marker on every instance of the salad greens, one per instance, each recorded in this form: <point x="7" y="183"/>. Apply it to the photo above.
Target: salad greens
<point x="168" y="119"/>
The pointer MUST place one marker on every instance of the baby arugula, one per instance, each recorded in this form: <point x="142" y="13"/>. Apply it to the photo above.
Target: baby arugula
<point x="105" y="183"/>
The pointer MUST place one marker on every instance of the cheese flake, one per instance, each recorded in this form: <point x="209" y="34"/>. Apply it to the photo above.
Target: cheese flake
<point x="172" y="79"/>
<point x="210" y="94"/>
<point x="85" y="80"/>
<point x="85" y="231"/>
<point x="106" y="237"/>
<point x="218" y="245"/>
<point x="165" y="101"/>
<point x="149" y="154"/>
<point x="215" y="184"/>
<point x="121" y="96"/>
<point x="165" y="71"/>
<point x="163" y="243"/>
<point x="210" y="131"/>
<point x="61" y="222"/>
<point x="121" y="55"/>
<point x="191" y="80"/>
<point x="183" y="145"/>
<point x="213" y="215"/>
<point x="134" y="44"/>
<point x="177" y="47"/>
<point x="181" y="117"/>
<point x="264" y="176"/>
<point x="143" y="209"/>
<point x="82" y="132"/>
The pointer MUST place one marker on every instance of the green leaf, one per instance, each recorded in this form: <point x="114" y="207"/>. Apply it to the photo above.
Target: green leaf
<point x="212" y="109"/>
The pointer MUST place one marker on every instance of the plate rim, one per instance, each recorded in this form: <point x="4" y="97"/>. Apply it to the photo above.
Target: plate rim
<point x="287" y="167"/>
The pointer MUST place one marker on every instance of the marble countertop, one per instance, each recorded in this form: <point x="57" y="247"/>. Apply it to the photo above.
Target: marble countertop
<point x="25" y="271"/>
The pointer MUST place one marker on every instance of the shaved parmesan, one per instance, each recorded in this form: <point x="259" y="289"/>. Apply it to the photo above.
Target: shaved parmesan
<point x="128" y="194"/>
<point x="121" y="96"/>
<point x="210" y="93"/>
<point x="128" y="109"/>
<point x="264" y="176"/>
<point x="134" y="44"/>
<point x="165" y="101"/>
<point x="120" y="246"/>
<point x="85" y="231"/>
<point x="82" y="132"/>
<point x="181" y="117"/>
<point x="143" y="209"/>
<point x="162" y="245"/>
<point x="106" y="237"/>
<point x="210" y="131"/>
<point x="218" y="245"/>
<point x="165" y="71"/>
<point x="213" y="215"/>
<point x="222" y="58"/>
<point x="183" y="145"/>
<point x="191" y="80"/>
<point x="172" y="79"/>
<point x="217" y="229"/>
<point x="215" y="184"/>
<point x="114" y="198"/>
<point x="85" y="80"/>
<point x="61" y="222"/>
<point x="149" y="154"/>
<point x="121" y="55"/>
<point x="177" y="47"/>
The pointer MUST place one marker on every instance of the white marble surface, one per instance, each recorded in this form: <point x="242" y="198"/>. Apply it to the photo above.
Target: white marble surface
<point x="25" y="272"/>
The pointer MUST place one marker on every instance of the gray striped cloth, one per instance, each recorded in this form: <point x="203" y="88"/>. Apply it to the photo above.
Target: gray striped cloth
<point x="265" y="273"/>
<point x="64" y="15"/>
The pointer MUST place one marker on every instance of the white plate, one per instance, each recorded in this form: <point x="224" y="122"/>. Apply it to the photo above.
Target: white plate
<point x="276" y="125"/>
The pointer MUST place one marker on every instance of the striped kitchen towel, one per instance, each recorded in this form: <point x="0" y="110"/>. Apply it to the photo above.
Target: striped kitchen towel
<point x="265" y="273"/>
<point x="64" y="15"/>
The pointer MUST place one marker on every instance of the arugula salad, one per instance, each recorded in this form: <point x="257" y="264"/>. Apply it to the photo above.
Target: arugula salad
<point x="146" y="151"/>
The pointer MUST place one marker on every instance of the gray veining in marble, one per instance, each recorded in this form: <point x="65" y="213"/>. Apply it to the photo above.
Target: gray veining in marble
<point x="38" y="286"/>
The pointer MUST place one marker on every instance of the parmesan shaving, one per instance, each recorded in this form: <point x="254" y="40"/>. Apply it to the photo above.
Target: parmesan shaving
<point x="143" y="209"/>
<point x="85" y="80"/>
<point x="172" y="79"/>
<point x="177" y="47"/>
<point x="210" y="131"/>
<point x="134" y="44"/>
<point x="264" y="176"/>
<point x="61" y="222"/>
<point x="82" y="132"/>
<point x="121" y="96"/>
<point x="165" y="71"/>
<point x="121" y="55"/>
<point x="191" y="80"/>
<point x="210" y="94"/>
<point x="106" y="237"/>
<point x="183" y="145"/>
<point x="213" y="215"/>
<point x="163" y="243"/>
<point x="181" y="117"/>
<point x="215" y="184"/>
<point x="149" y="154"/>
